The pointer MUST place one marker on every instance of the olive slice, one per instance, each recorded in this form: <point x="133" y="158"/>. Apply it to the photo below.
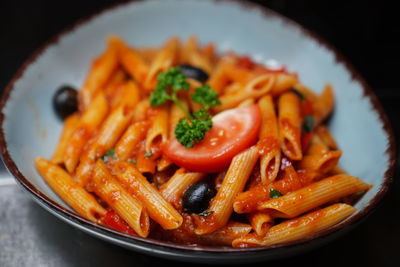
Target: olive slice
<point x="194" y="72"/>
<point x="65" y="101"/>
<point x="197" y="197"/>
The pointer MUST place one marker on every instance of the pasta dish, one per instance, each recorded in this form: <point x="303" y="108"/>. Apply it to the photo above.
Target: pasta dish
<point x="182" y="144"/>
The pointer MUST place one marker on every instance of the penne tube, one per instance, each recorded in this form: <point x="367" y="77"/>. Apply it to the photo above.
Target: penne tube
<point x="201" y="61"/>
<point x="164" y="60"/>
<point x="173" y="190"/>
<point x="218" y="78"/>
<point x="308" y="94"/>
<point x="247" y="103"/>
<point x="70" y="125"/>
<point x="131" y="60"/>
<point x="290" y="181"/>
<point x="157" y="134"/>
<point x="283" y="83"/>
<point x="112" y="128"/>
<point x="313" y="196"/>
<point x="128" y="96"/>
<point x="209" y="51"/>
<point x="129" y="141"/>
<point x="176" y="113"/>
<point x="148" y="54"/>
<point x="163" y="163"/>
<point x="188" y="48"/>
<point x="299" y="228"/>
<point x="320" y="163"/>
<point x="269" y="141"/>
<point x="100" y="72"/>
<point x="325" y="136"/>
<point x="159" y="209"/>
<point x="128" y="207"/>
<point x="116" y="79"/>
<point x="324" y="104"/>
<point x="255" y="88"/>
<point x="226" y="235"/>
<point x="90" y="120"/>
<point x="221" y="206"/>
<point x="260" y="222"/>
<point x="290" y="125"/>
<point x="141" y="110"/>
<point x="69" y="191"/>
<point x="191" y="54"/>
<point x="146" y="162"/>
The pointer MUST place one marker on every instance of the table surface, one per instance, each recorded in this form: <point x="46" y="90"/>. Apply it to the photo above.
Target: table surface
<point x="30" y="236"/>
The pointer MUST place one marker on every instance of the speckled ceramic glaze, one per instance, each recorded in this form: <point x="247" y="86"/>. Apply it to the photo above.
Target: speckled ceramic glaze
<point x="30" y="127"/>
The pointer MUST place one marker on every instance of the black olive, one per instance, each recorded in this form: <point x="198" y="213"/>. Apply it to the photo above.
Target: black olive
<point x="197" y="197"/>
<point x="194" y="73"/>
<point x="65" y="101"/>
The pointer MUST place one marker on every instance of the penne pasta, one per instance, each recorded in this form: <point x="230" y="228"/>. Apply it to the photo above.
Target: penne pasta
<point x="158" y="131"/>
<point x="289" y="125"/>
<point x="197" y="141"/>
<point x="173" y="190"/>
<point x="128" y="207"/>
<point x="131" y="60"/>
<point x="89" y="121"/>
<point x="313" y="196"/>
<point x="295" y="229"/>
<point x="233" y="183"/>
<point x="283" y="83"/>
<point x="261" y="222"/>
<point x="73" y="194"/>
<point x="159" y="209"/>
<point x="105" y="139"/>
<point x="164" y="59"/>
<point x="255" y="88"/>
<point x="100" y="72"/>
<point x="269" y="141"/>
<point x="324" y="104"/>
<point x="129" y="141"/>
<point x="70" y="125"/>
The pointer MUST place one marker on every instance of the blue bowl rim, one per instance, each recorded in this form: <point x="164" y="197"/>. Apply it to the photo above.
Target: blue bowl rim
<point x="71" y="216"/>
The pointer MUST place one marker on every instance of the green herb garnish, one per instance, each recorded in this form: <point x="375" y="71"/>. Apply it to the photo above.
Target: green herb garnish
<point x="192" y="129"/>
<point x="109" y="154"/>
<point x="206" y="96"/>
<point x="308" y="124"/>
<point x="205" y="213"/>
<point x="273" y="193"/>
<point x="132" y="161"/>
<point x="299" y="94"/>
<point x="148" y="154"/>
<point x="168" y="85"/>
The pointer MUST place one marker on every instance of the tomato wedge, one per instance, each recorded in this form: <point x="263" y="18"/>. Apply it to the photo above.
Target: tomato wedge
<point x="233" y="131"/>
<point x="113" y="220"/>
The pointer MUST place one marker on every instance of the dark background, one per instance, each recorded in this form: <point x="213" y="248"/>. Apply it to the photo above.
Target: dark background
<point x="366" y="32"/>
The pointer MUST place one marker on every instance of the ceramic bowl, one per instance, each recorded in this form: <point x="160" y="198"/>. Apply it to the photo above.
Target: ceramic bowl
<point x="29" y="127"/>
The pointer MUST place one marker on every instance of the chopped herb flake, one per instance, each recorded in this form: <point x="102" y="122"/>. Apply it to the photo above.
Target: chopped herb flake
<point x="205" y="213"/>
<point x="273" y="193"/>
<point x="308" y="124"/>
<point x="148" y="154"/>
<point x="109" y="154"/>
<point x="299" y="94"/>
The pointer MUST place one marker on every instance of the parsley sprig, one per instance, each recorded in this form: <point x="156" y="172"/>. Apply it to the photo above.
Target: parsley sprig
<point x="192" y="129"/>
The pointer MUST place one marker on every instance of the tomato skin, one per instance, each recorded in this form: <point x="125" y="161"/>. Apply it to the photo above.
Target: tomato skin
<point x="233" y="131"/>
<point x="114" y="221"/>
<point x="246" y="63"/>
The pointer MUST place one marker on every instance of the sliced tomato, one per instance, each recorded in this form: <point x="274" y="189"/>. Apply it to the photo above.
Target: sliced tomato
<point x="113" y="220"/>
<point x="233" y="131"/>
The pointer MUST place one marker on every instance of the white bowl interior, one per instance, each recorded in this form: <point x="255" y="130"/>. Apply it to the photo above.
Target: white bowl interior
<point x="32" y="129"/>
